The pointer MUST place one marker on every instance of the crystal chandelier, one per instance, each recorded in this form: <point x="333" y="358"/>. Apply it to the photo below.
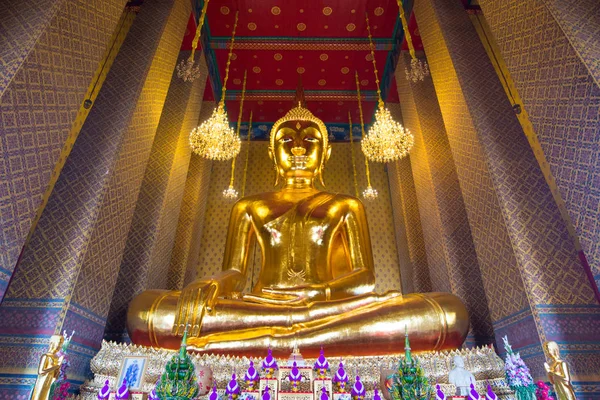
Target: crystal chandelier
<point x="230" y="192"/>
<point x="187" y="69"/>
<point x="369" y="193"/>
<point x="387" y="140"/>
<point x="214" y="139"/>
<point x="418" y="68"/>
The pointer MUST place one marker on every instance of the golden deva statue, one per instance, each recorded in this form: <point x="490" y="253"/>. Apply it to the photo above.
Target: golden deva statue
<point x="316" y="281"/>
<point x="48" y="369"/>
<point x="558" y="373"/>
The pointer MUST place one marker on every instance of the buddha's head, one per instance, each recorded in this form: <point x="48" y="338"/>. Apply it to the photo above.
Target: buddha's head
<point x="299" y="146"/>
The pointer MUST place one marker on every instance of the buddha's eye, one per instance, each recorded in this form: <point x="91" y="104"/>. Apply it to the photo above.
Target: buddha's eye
<point x="285" y="140"/>
<point x="311" y="139"/>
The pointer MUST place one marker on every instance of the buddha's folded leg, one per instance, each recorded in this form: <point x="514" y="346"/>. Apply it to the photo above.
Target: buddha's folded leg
<point x="368" y="324"/>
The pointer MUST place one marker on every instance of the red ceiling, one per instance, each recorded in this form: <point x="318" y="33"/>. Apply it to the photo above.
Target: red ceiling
<point x="324" y="42"/>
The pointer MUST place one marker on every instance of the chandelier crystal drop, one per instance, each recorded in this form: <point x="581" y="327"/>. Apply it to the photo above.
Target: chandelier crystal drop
<point x="369" y="193"/>
<point x="214" y="139"/>
<point x="387" y="140"/>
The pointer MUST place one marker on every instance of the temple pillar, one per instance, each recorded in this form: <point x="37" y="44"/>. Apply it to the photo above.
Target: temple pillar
<point x="497" y="170"/>
<point x="147" y="253"/>
<point x="404" y="261"/>
<point x="415" y="277"/>
<point x="186" y="249"/>
<point x="550" y="50"/>
<point x="453" y="262"/>
<point x="51" y="57"/>
<point x="67" y="271"/>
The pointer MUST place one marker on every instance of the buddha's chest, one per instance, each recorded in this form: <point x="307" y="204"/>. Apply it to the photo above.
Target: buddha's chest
<point x="298" y="227"/>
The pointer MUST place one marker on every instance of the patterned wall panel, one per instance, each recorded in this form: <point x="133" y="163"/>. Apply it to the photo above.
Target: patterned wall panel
<point x="428" y="209"/>
<point x="188" y="236"/>
<point x="445" y="218"/>
<point x="21" y="24"/>
<point x="402" y="174"/>
<point x="46" y="280"/>
<point x="560" y="96"/>
<point x="580" y="22"/>
<point x="39" y="102"/>
<point x="481" y="125"/>
<point x="406" y="265"/>
<point x="338" y="178"/>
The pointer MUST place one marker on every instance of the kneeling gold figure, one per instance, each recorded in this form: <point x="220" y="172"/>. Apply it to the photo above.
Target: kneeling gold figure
<point x="316" y="281"/>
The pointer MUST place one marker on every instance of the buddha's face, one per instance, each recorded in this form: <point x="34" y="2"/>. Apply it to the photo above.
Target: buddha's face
<point x="298" y="150"/>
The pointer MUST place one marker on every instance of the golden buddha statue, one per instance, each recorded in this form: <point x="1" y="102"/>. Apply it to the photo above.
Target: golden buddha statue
<point x="558" y="373"/>
<point x="48" y="369"/>
<point x="316" y="281"/>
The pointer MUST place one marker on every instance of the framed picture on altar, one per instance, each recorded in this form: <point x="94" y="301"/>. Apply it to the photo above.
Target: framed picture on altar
<point x="133" y="369"/>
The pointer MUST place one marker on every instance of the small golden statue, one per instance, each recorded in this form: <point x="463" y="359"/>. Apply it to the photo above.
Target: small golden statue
<point x="558" y="373"/>
<point x="315" y="286"/>
<point x="48" y="369"/>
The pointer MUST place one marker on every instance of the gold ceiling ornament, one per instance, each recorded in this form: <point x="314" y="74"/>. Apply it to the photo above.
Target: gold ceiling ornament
<point x="387" y="140"/>
<point x="230" y="192"/>
<point x="214" y="139"/>
<point x="187" y="69"/>
<point x="247" y="155"/>
<point x="369" y="193"/>
<point x="418" y="68"/>
<point x="353" y="158"/>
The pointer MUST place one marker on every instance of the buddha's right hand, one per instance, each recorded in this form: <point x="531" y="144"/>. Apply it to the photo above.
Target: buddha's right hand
<point x="196" y="298"/>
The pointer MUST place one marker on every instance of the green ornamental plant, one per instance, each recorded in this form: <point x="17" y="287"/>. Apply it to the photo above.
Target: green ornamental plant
<point x="410" y="383"/>
<point x="179" y="381"/>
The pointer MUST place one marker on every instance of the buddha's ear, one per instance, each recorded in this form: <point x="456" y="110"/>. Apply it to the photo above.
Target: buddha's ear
<point x="327" y="152"/>
<point x="271" y="155"/>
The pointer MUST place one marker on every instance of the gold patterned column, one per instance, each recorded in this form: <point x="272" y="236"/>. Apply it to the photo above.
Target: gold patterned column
<point x="415" y="277"/>
<point x="150" y="240"/>
<point x="547" y="53"/>
<point x="502" y="181"/>
<point x="186" y="249"/>
<point x="67" y="271"/>
<point x="453" y="262"/>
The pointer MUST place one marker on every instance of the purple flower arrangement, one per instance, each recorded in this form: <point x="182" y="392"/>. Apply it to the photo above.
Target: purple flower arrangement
<point x="517" y="374"/>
